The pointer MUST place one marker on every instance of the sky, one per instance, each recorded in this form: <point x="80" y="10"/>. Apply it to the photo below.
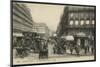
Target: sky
<point x="48" y="14"/>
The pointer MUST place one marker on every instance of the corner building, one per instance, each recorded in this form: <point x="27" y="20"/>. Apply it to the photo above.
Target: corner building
<point x="22" y="20"/>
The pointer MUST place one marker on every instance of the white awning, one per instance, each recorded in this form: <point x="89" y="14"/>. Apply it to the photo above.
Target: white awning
<point x="81" y="34"/>
<point x="17" y="34"/>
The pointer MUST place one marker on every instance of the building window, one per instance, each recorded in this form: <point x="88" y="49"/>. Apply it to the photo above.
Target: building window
<point x="82" y="22"/>
<point x="71" y="14"/>
<point x="76" y="15"/>
<point x="93" y="22"/>
<point x="78" y="42"/>
<point x="87" y="22"/>
<point x="76" y="22"/>
<point x="71" y="22"/>
<point x="86" y="15"/>
<point x="81" y="15"/>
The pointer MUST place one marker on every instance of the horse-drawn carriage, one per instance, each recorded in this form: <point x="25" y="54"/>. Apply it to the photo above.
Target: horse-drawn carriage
<point x="23" y="43"/>
<point x="21" y="49"/>
<point x="30" y="42"/>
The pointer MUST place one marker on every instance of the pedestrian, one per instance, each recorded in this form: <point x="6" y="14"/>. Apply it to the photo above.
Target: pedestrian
<point x="77" y="48"/>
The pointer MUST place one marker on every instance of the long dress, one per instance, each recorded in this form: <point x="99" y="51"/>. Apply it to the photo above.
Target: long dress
<point x="50" y="49"/>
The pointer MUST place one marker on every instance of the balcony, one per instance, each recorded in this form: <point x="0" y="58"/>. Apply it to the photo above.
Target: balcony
<point x="80" y="26"/>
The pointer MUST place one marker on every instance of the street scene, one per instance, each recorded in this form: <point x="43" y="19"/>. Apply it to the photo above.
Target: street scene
<point x="47" y="33"/>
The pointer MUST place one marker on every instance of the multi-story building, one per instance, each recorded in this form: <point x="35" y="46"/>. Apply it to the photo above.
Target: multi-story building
<point x="22" y="20"/>
<point x="42" y="29"/>
<point x="77" y="20"/>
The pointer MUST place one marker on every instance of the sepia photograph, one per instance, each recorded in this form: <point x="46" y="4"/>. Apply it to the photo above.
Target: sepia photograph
<point x="44" y="33"/>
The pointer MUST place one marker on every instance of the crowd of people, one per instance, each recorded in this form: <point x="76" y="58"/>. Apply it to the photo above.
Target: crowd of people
<point x="27" y="44"/>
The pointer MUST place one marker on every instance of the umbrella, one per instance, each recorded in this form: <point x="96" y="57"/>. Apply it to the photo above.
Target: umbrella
<point x="68" y="38"/>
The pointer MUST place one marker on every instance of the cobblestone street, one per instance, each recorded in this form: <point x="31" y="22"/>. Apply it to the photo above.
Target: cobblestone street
<point x="33" y="59"/>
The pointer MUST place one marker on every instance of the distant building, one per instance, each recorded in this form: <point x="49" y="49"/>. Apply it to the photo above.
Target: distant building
<point x="42" y="29"/>
<point x="77" y="20"/>
<point x="22" y="20"/>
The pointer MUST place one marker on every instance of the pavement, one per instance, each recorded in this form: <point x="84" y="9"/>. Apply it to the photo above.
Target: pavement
<point x="33" y="59"/>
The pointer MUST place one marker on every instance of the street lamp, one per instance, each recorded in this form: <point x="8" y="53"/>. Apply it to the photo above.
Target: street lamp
<point x="54" y="35"/>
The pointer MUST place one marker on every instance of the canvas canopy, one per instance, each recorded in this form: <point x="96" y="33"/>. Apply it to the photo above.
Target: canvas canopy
<point x="18" y="34"/>
<point x="81" y="34"/>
